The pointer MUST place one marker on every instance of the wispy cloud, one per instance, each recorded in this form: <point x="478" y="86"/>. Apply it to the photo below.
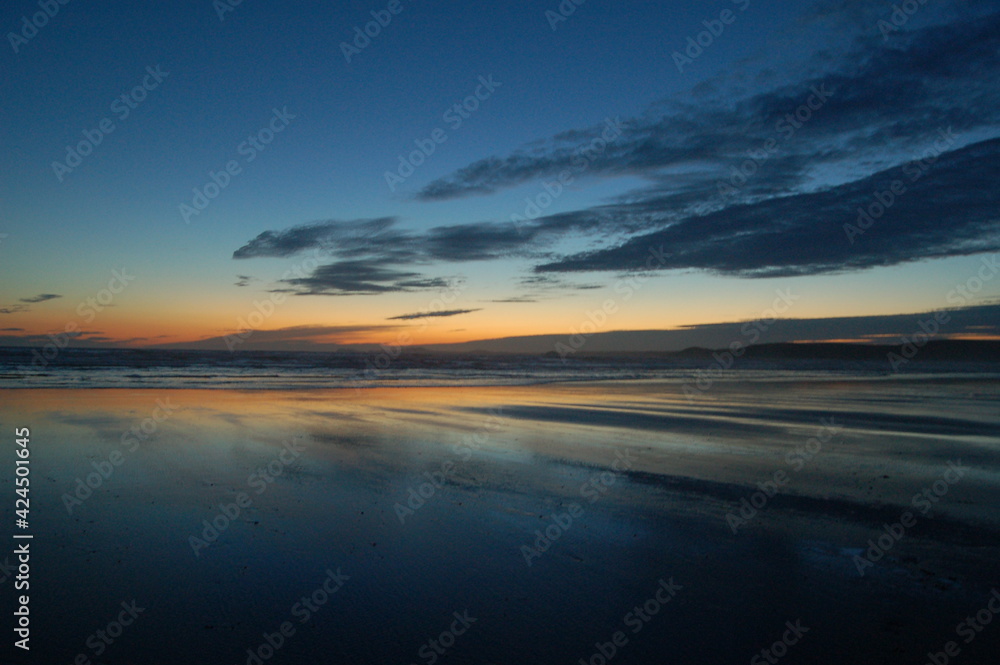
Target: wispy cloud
<point x="951" y="210"/>
<point x="22" y="304"/>
<point x="79" y="338"/>
<point x="42" y="297"/>
<point x="361" y="278"/>
<point x="885" y="98"/>
<point x="302" y="338"/>
<point x="424" y="315"/>
<point x="978" y="322"/>
<point x="336" y="236"/>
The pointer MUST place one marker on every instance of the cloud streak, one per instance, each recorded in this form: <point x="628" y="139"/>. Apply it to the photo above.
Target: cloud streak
<point x="42" y="297"/>
<point x="22" y="304"/>
<point x="293" y="338"/>
<point x="950" y="210"/>
<point x="333" y="235"/>
<point x="348" y="278"/>
<point x="424" y="315"/>
<point x="883" y="98"/>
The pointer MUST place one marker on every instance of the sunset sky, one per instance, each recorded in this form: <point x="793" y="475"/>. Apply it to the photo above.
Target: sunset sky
<point x="726" y="146"/>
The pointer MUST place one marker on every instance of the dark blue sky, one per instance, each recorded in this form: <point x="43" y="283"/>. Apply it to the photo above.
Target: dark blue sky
<point x="885" y="96"/>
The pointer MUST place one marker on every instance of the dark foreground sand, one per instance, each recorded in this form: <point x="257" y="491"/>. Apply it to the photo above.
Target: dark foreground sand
<point x="397" y="526"/>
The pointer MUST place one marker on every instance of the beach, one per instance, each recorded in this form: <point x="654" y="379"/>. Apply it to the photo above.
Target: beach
<point x="546" y="523"/>
<point x="550" y="332"/>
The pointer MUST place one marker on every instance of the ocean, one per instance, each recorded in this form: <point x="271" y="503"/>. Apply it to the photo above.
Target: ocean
<point x="22" y="367"/>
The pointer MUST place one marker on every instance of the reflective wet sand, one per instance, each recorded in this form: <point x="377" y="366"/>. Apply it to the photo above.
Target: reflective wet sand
<point x="546" y="513"/>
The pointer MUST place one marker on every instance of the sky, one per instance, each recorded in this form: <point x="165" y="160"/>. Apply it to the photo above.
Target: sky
<point x="319" y="173"/>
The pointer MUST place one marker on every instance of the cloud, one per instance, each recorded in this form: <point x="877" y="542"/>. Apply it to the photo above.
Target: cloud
<point x="294" y="338"/>
<point x="950" y="210"/>
<point x="79" y="338"/>
<point x="42" y="297"/>
<point x="380" y="239"/>
<point x="883" y="99"/>
<point x="424" y="315"/>
<point x="369" y="253"/>
<point x="979" y="322"/>
<point x="384" y="258"/>
<point x="361" y="278"/>
<point x="474" y="242"/>
<point x="244" y="280"/>
<point x="22" y="304"/>
<point x="336" y="236"/>
<point x="317" y="332"/>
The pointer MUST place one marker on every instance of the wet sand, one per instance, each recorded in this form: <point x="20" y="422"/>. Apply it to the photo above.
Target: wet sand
<point x="549" y="514"/>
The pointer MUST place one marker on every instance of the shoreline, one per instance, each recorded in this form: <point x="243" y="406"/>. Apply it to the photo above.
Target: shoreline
<point x="728" y="377"/>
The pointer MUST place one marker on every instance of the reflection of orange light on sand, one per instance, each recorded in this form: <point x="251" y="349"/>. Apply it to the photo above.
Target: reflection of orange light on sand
<point x="340" y="428"/>
<point x="284" y="409"/>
